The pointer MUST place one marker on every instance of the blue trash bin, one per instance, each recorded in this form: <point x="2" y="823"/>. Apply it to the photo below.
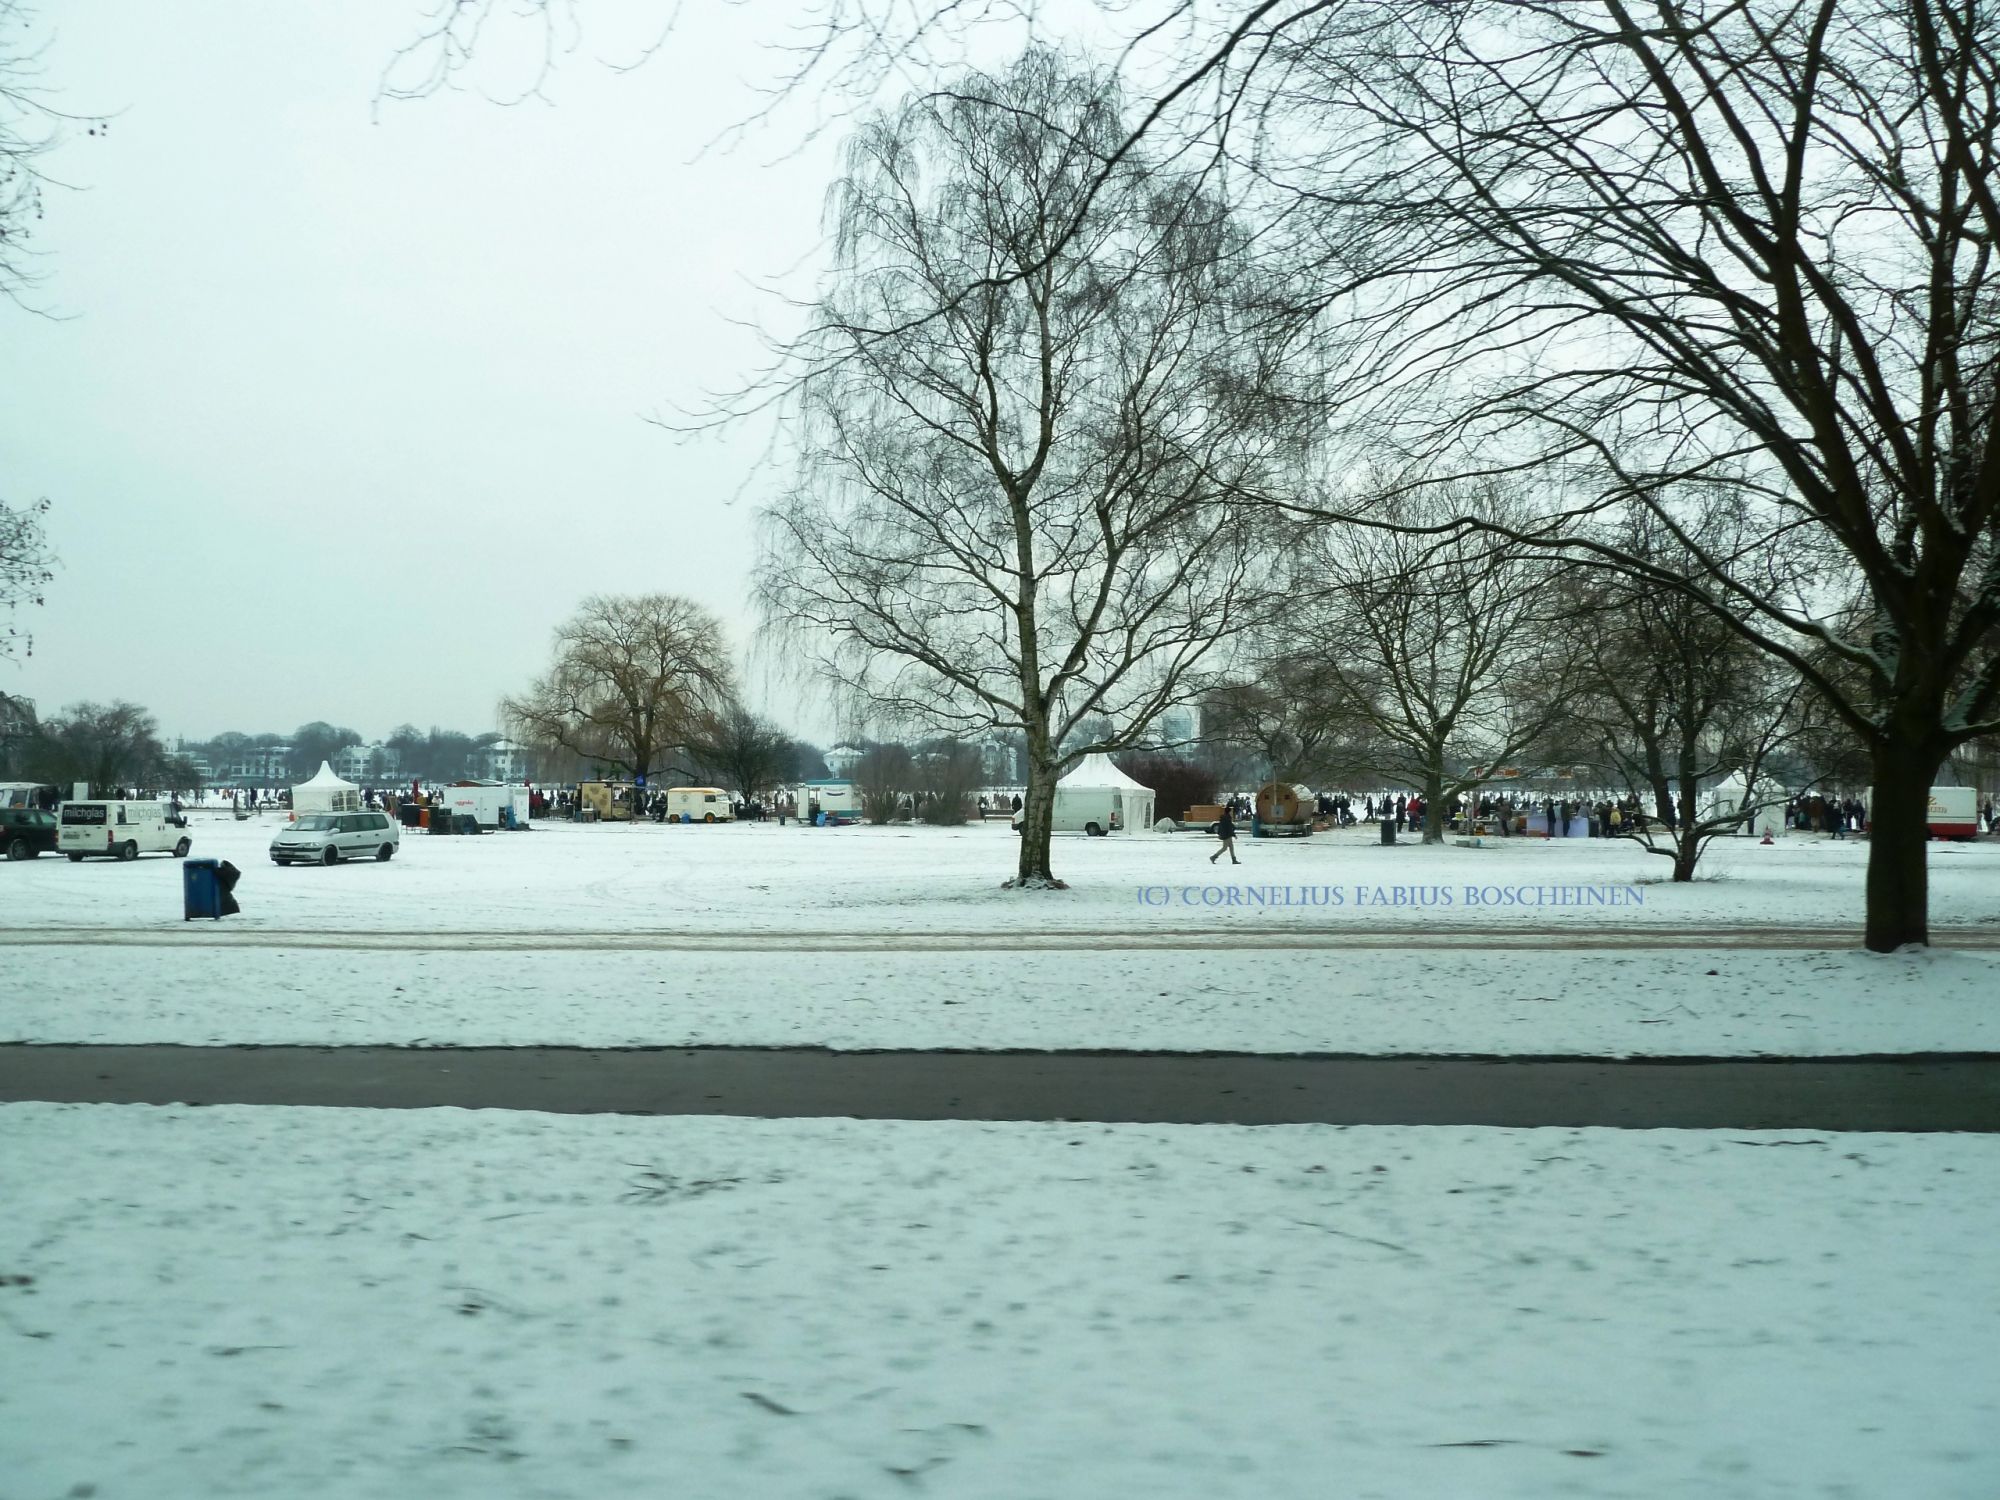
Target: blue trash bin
<point x="201" y="890"/>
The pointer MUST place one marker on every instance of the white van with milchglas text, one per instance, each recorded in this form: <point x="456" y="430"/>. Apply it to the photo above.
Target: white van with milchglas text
<point x="119" y="830"/>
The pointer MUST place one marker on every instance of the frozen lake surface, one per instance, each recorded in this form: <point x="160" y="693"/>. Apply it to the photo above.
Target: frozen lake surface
<point x="563" y="878"/>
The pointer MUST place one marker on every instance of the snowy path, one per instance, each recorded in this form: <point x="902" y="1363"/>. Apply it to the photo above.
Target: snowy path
<point x="1902" y="1094"/>
<point x="356" y="1304"/>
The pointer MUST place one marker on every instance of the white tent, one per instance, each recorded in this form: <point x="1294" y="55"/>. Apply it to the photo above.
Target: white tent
<point x="1095" y="792"/>
<point x="326" y="793"/>
<point x="1724" y="797"/>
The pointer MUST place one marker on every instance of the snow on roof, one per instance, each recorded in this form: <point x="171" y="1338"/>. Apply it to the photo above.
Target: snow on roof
<point x="1096" y="769"/>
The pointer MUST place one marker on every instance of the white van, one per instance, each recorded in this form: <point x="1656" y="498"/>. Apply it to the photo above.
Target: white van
<point x="118" y="830"/>
<point x="699" y="804"/>
<point x="1095" y="810"/>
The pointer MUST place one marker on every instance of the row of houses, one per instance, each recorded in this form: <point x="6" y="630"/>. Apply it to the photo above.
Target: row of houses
<point x="375" y="764"/>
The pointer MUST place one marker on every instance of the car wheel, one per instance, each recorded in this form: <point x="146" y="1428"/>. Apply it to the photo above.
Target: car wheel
<point x="708" y="817"/>
<point x="181" y="849"/>
<point x="1093" y="830"/>
<point x="385" y="853"/>
<point x="331" y="856"/>
<point x="128" y="850"/>
<point x="76" y="859"/>
<point x="18" y="849"/>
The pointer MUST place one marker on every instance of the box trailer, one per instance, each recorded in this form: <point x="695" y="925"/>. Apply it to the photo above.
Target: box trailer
<point x="1952" y="813"/>
<point x="490" y="806"/>
<point x="834" y="797"/>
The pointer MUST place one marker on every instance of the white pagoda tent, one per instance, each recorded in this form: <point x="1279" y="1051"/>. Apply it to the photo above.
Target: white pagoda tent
<point x="1094" y="789"/>
<point x="327" y="792"/>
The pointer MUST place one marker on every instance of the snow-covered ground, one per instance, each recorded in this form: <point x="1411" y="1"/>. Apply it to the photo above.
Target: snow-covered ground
<point x="290" y="1302"/>
<point x="1234" y="996"/>
<point x="281" y="1302"/>
<point x="760" y="878"/>
<point x="556" y="937"/>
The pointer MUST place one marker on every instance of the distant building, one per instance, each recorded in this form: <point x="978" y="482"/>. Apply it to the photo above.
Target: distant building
<point x="263" y="765"/>
<point x="17" y="726"/>
<point x="17" y="717"/>
<point x="840" y="760"/>
<point x="996" y="762"/>
<point x="1177" y="726"/>
<point x="368" y="765"/>
<point x="201" y="765"/>
<point x="503" y="760"/>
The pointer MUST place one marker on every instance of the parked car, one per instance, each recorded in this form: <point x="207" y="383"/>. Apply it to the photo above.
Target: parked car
<point x="119" y="829"/>
<point x="328" y="838"/>
<point x="26" y="831"/>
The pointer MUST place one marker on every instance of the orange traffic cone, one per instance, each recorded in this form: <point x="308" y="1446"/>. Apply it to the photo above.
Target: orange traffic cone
<point x="1767" y="839"/>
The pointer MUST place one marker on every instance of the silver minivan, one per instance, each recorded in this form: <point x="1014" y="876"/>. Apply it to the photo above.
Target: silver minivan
<point x="328" y="838"/>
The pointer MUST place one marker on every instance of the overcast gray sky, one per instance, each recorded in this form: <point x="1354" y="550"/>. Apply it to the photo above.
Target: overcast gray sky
<point x="313" y="349"/>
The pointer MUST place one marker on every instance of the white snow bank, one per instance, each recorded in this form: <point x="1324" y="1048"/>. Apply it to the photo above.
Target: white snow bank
<point x="265" y="1302"/>
<point x="1232" y="998"/>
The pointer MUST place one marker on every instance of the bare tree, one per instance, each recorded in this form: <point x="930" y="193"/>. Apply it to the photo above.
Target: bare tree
<point x="316" y="742"/>
<point x="31" y="124"/>
<point x="1647" y="252"/>
<point x="1445" y="649"/>
<point x="750" y="756"/>
<point x="1290" y="711"/>
<point x="1677" y="702"/>
<point x="1661" y="252"/>
<point x="1180" y="779"/>
<point x="635" y="679"/>
<point x="108" y="745"/>
<point x="26" y="564"/>
<point x="947" y="781"/>
<point x="1023" y="512"/>
<point x="884" y="775"/>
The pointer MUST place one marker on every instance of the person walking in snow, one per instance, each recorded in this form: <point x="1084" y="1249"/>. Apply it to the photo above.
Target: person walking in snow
<point x="1225" y="830"/>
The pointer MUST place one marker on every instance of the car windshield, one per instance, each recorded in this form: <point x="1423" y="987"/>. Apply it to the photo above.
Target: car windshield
<point x="316" y="825"/>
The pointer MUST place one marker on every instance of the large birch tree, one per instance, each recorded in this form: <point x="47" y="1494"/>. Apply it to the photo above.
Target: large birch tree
<point x="1039" y="386"/>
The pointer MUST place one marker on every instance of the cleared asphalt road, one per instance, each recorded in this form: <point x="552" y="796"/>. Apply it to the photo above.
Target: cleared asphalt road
<point x="1894" y="1094"/>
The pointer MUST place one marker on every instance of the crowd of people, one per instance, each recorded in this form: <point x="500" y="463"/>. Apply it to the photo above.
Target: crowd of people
<point x="1558" y="817"/>
<point x="1835" y="815"/>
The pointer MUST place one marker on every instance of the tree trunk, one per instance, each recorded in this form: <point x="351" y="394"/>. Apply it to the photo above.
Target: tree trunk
<point x="1687" y="852"/>
<point x="1663" y="801"/>
<point x="1434" y="804"/>
<point x="1038" y="805"/>
<point x="1898" y="832"/>
<point x="1687" y="841"/>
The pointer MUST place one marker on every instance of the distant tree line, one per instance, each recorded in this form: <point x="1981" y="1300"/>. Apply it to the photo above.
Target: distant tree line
<point x="107" y="746"/>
